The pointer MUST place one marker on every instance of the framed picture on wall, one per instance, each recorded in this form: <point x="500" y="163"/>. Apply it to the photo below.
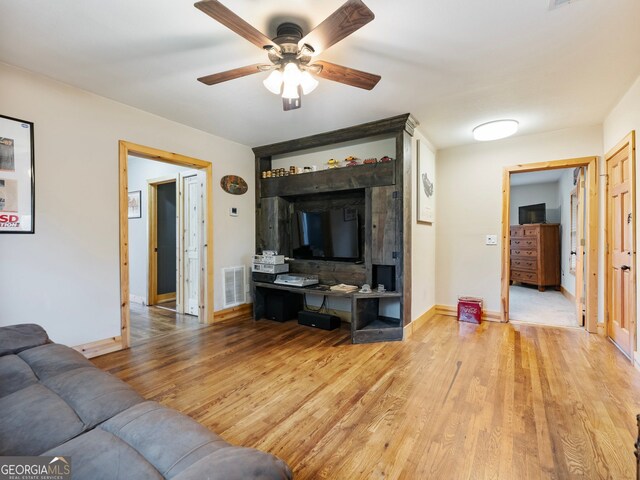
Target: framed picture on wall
<point x="17" y="181"/>
<point x="135" y="204"/>
<point x="426" y="185"/>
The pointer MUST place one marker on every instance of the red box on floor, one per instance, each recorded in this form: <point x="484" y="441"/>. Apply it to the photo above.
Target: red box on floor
<point x="470" y="309"/>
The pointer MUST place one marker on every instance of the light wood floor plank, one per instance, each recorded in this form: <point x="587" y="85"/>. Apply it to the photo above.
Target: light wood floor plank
<point x="455" y="401"/>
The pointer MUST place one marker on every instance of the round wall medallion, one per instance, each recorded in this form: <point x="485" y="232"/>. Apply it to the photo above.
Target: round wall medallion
<point x="234" y="184"/>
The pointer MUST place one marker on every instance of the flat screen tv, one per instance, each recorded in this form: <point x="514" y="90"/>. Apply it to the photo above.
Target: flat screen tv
<point x="329" y="235"/>
<point x="533" y="213"/>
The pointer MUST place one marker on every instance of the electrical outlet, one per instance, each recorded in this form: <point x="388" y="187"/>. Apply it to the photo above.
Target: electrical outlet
<point x="233" y="211"/>
<point x="491" y="240"/>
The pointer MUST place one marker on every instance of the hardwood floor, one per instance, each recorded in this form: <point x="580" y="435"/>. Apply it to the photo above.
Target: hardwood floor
<point x="153" y="322"/>
<point x="454" y="401"/>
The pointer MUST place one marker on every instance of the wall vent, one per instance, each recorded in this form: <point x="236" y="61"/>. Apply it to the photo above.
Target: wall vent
<point x="233" y="282"/>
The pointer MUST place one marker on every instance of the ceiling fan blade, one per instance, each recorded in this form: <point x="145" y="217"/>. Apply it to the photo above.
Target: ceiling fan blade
<point x="222" y="14"/>
<point x="231" y="74"/>
<point x="340" y="24"/>
<point x="346" y="75"/>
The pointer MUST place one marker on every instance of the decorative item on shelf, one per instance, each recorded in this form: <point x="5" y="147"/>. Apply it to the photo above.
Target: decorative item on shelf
<point x="234" y="185"/>
<point x="369" y="161"/>
<point x="307" y="170"/>
<point x="381" y="288"/>
<point x="366" y="288"/>
<point x="351" y="161"/>
<point x="385" y="159"/>
<point x="333" y="163"/>
<point x="292" y="170"/>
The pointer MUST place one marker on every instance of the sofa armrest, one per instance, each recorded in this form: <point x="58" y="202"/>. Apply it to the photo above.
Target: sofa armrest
<point x="16" y="338"/>
<point x="237" y="463"/>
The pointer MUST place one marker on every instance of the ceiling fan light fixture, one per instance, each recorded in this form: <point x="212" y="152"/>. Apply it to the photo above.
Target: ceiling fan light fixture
<point x="291" y="74"/>
<point x="273" y="82"/>
<point x="290" y="91"/>
<point x="308" y="83"/>
<point x="495" y="130"/>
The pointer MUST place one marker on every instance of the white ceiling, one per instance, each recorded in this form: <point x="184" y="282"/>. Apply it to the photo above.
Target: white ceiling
<point x="531" y="178"/>
<point x="454" y="64"/>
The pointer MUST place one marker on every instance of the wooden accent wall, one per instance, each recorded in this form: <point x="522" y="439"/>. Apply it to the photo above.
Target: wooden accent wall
<point x="381" y="193"/>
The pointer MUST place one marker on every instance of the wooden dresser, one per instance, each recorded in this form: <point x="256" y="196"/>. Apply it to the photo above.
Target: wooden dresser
<point x="535" y="255"/>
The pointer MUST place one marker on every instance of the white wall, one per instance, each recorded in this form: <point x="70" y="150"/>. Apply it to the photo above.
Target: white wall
<point x="532" y="194"/>
<point x="140" y="170"/>
<point x="66" y="275"/>
<point x="565" y="187"/>
<point x="470" y="206"/>
<point x="423" y="236"/>
<point x="624" y="118"/>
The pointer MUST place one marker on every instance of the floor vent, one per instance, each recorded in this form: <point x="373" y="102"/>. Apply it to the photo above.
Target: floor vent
<point x="233" y="281"/>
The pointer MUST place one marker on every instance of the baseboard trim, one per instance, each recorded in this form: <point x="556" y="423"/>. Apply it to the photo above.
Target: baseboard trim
<point x="418" y="322"/>
<point x="568" y="294"/>
<point x="450" y="311"/>
<point x="233" y="313"/>
<point x="100" y="347"/>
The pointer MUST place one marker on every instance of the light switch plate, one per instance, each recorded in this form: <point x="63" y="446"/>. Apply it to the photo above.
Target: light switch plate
<point x="233" y="211"/>
<point x="491" y="240"/>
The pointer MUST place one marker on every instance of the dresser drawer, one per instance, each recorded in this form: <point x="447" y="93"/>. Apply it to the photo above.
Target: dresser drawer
<point x="531" y="231"/>
<point x="525" y="242"/>
<point x="521" y="252"/>
<point x="523" y="264"/>
<point x="524" y="277"/>
<point x="516" y="231"/>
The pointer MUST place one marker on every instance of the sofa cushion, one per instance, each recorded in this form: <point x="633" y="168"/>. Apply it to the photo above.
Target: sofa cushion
<point x="15" y="375"/>
<point x="15" y="338"/>
<point x="52" y="359"/>
<point x="99" y="455"/>
<point x="237" y="463"/>
<point x="35" y="419"/>
<point x="150" y="428"/>
<point x="94" y="395"/>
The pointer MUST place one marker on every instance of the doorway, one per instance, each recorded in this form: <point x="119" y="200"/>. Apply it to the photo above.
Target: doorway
<point x="620" y="252"/>
<point x="170" y="274"/>
<point x="547" y="267"/>
<point x="522" y="258"/>
<point x="163" y="244"/>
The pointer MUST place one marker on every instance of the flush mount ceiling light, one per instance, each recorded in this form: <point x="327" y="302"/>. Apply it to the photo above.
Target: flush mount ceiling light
<point x="495" y="130"/>
<point x="292" y="56"/>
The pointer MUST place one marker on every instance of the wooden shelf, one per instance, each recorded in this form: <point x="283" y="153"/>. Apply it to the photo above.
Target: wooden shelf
<point x="332" y="180"/>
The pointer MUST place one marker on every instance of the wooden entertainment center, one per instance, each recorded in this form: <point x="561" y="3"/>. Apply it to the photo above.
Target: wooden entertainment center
<point x="380" y="193"/>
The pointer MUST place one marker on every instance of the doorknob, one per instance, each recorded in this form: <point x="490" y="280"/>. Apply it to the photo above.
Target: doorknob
<point x="625" y="267"/>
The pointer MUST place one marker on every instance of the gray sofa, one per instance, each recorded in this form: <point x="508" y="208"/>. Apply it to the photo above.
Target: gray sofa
<point x="53" y="401"/>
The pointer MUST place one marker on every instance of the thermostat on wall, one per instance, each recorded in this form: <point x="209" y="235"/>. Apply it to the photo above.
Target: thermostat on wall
<point x="233" y="211"/>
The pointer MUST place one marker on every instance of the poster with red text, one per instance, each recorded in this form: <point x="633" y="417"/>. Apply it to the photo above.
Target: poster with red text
<point x="16" y="176"/>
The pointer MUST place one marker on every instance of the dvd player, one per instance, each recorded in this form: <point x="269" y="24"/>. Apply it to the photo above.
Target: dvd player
<point x="296" y="279"/>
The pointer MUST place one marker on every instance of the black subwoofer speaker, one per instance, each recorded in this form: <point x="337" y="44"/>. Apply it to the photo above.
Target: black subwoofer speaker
<point x="318" y="320"/>
<point x="282" y="306"/>
<point x="385" y="275"/>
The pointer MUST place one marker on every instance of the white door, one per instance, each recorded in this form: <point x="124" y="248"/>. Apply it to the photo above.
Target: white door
<point x="192" y="227"/>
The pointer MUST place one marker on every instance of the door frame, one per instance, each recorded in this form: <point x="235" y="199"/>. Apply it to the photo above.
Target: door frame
<point x="125" y="149"/>
<point x="152" y="274"/>
<point x="591" y="234"/>
<point x="628" y="142"/>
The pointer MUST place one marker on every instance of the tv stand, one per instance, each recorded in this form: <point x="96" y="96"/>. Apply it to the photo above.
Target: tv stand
<point x="367" y="325"/>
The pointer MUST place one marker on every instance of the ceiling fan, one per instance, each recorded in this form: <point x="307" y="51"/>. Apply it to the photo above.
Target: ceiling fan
<point x="292" y="56"/>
